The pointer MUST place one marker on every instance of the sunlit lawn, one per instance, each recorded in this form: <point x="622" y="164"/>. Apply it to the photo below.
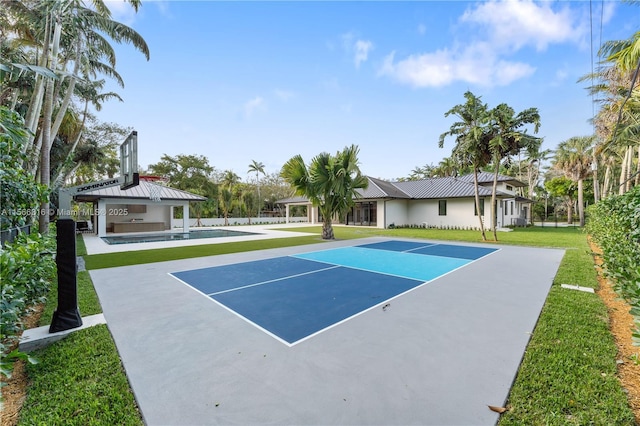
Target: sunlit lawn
<point x="568" y="373"/>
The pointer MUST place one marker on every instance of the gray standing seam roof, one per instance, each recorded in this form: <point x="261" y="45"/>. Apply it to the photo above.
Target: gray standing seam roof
<point x="142" y="191"/>
<point x="433" y="188"/>
<point x="487" y="177"/>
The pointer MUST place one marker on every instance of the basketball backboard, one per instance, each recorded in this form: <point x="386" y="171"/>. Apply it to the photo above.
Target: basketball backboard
<point x="129" y="161"/>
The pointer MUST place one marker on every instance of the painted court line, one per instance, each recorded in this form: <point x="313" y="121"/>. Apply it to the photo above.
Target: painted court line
<point x="272" y="281"/>
<point x="228" y="309"/>
<point x="393" y="259"/>
<point x="420" y="267"/>
<point x="418" y="248"/>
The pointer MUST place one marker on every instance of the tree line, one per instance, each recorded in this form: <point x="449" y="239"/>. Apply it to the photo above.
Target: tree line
<point x="581" y="170"/>
<point x="56" y="56"/>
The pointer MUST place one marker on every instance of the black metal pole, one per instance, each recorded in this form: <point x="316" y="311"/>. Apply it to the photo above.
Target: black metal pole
<point x="67" y="315"/>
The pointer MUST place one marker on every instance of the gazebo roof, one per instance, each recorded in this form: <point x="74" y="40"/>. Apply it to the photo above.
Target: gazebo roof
<point x="140" y="192"/>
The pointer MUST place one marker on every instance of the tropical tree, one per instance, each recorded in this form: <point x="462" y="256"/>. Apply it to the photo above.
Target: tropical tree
<point x="617" y="123"/>
<point x="471" y="141"/>
<point x="226" y="203"/>
<point x="331" y="182"/>
<point x="257" y="168"/>
<point x="250" y="203"/>
<point x="573" y="157"/>
<point x="419" y="173"/>
<point x="565" y="189"/>
<point x="229" y="179"/>
<point x="507" y="139"/>
<point x="68" y="39"/>
<point x="186" y="172"/>
<point x="447" y="167"/>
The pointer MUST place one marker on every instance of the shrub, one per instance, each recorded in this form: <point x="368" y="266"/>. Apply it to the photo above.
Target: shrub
<point x="614" y="224"/>
<point x="27" y="268"/>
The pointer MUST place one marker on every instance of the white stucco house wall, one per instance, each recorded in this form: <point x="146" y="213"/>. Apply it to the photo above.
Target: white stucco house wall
<point x="143" y="208"/>
<point x="446" y="202"/>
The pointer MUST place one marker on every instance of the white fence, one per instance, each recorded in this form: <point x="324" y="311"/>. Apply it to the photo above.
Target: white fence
<point x="218" y="221"/>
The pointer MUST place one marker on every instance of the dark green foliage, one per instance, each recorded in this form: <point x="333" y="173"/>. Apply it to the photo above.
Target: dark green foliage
<point x="26" y="269"/>
<point x="614" y="224"/>
<point x="19" y="194"/>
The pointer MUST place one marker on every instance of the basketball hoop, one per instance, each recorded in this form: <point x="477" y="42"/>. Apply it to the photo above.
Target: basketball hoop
<point x="154" y="192"/>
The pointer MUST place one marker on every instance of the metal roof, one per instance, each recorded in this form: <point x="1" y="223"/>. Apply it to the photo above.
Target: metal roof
<point x="446" y="187"/>
<point x="433" y="188"/>
<point x="487" y="177"/>
<point x="142" y="191"/>
<point x="382" y="189"/>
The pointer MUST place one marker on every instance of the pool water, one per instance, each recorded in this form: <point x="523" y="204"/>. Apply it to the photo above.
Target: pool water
<point x="174" y="236"/>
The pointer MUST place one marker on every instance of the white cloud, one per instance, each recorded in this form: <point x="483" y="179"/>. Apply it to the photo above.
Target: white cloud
<point x="358" y="47"/>
<point x="121" y="11"/>
<point x="253" y="105"/>
<point x="514" y="24"/>
<point x="495" y="30"/>
<point x="475" y="64"/>
<point x="362" y="48"/>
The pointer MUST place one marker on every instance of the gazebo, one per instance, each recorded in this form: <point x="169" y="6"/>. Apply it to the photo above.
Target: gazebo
<point x="143" y="208"/>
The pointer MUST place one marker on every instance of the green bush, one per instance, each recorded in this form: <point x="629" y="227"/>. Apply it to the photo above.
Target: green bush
<point x="614" y="224"/>
<point x="19" y="194"/>
<point x="27" y="268"/>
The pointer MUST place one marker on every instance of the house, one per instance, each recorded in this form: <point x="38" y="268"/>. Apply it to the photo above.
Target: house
<point x="446" y="202"/>
<point x="143" y="208"/>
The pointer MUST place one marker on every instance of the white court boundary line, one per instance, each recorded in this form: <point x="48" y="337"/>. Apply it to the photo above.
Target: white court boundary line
<point x="334" y="266"/>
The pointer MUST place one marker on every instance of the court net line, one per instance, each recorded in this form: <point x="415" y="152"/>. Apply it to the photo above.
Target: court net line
<point x="418" y="248"/>
<point x="272" y="281"/>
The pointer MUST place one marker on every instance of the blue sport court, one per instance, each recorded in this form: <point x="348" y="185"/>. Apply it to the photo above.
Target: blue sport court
<point x="295" y="297"/>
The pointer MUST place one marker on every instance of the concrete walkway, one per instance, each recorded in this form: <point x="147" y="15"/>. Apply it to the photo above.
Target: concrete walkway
<point x="95" y="244"/>
<point x="437" y="355"/>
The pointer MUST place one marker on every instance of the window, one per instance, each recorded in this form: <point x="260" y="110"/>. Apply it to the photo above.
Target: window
<point x="442" y="207"/>
<point x="475" y="211"/>
<point x="511" y="208"/>
<point x="509" y="188"/>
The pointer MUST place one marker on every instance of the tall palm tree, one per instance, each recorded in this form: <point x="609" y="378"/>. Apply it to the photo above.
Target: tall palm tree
<point x="472" y="141"/>
<point x="331" y="182"/>
<point x="66" y="32"/>
<point x="249" y="202"/>
<point x="447" y="167"/>
<point x="88" y="92"/>
<point x="229" y="179"/>
<point x="573" y="157"/>
<point x="257" y="168"/>
<point x="508" y="139"/>
<point x="225" y="197"/>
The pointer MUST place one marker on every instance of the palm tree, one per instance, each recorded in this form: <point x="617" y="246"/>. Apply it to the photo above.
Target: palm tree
<point x="446" y="167"/>
<point x="331" y="182"/>
<point x="573" y="157"/>
<point x="507" y="139"/>
<point x="88" y="92"/>
<point x="258" y="168"/>
<point x="472" y="141"/>
<point x="229" y="179"/>
<point x="66" y="32"/>
<point x="249" y="202"/>
<point x="226" y="203"/>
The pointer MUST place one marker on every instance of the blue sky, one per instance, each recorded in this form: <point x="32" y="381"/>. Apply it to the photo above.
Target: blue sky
<point x="264" y="81"/>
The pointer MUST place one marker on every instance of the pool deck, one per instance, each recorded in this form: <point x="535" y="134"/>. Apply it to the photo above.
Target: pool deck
<point x="438" y="355"/>
<point x="95" y="244"/>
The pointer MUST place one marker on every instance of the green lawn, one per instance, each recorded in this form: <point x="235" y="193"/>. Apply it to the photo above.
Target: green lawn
<point x="567" y="376"/>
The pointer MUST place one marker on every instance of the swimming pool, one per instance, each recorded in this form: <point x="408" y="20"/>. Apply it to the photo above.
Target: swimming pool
<point x="174" y="236"/>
